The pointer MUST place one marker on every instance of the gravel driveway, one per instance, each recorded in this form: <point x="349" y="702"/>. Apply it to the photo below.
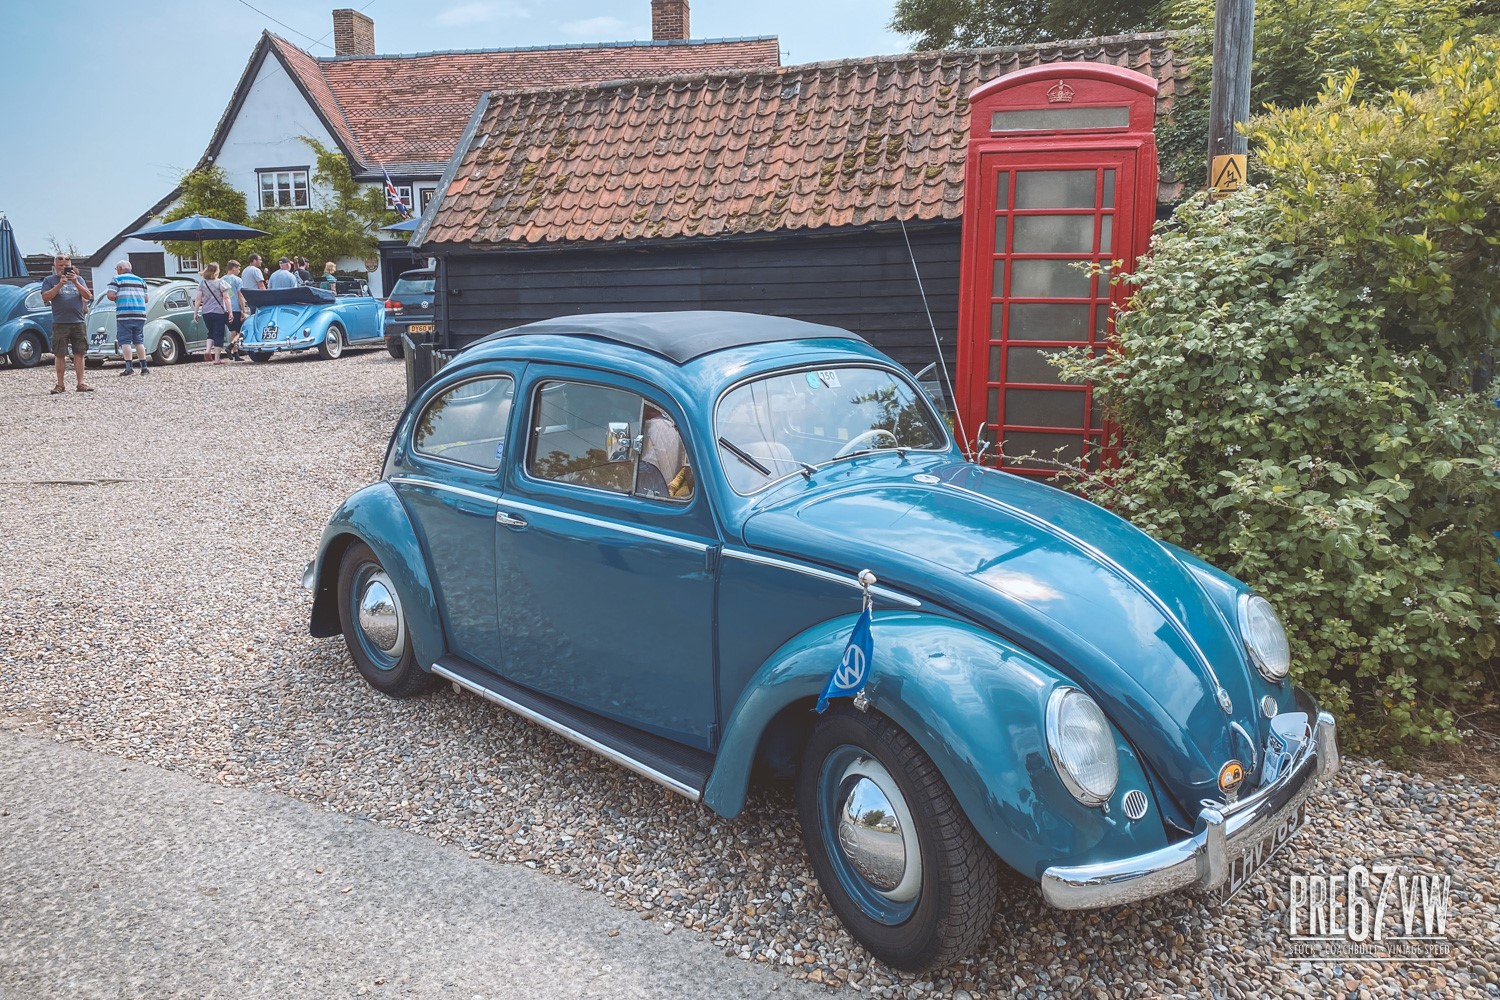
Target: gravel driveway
<point x="155" y="536"/>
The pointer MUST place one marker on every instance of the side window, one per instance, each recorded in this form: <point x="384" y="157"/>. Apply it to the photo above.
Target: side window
<point x="608" y="439"/>
<point x="34" y="302"/>
<point x="177" y="299"/>
<point x="467" y="424"/>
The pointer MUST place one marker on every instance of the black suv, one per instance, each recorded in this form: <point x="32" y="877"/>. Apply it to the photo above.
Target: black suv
<point x="408" y="309"/>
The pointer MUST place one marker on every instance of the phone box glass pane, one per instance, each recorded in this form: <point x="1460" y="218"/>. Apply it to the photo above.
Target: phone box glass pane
<point x="1047" y="321"/>
<point x="1048" y="119"/>
<point x="1055" y="188"/>
<point x="1030" y="364"/>
<point x="1047" y="448"/>
<point x="1054" y="234"/>
<point x="1049" y="279"/>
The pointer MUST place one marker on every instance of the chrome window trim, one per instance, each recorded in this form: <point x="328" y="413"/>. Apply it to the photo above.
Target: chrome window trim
<point x="432" y="485"/>
<point x="1129" y="577"/>
<point x="604" y="750"/>
<point x="901" y="373"/>
<point x="821" y="574"/>
<point x="599" y="522"/>
<point x="428" y="456"/>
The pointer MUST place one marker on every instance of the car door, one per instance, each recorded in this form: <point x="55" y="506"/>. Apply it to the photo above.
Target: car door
<point x="606" y="576"/>
<point x="177" y="307"/>
<point x="452" y="489"/>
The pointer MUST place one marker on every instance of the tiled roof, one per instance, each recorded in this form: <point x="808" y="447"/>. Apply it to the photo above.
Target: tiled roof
<point x="844" y="143"/>
<point x="406" y="113"/>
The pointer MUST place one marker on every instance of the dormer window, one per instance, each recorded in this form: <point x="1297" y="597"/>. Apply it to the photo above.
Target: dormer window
<point x="283" y="187"/>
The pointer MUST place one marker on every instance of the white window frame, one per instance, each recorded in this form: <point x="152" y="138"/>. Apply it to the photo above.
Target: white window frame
<point x="403" y="191"/>
<point x="188" y="264"/>
<point x="285" y="183"/>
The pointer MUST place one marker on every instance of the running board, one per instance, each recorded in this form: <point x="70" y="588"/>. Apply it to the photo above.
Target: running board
<point x="682" y="769"/>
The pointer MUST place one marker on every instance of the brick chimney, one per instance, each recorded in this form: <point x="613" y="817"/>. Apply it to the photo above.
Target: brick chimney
<point x="353" y="33"/>
<point x="669" y="20"/>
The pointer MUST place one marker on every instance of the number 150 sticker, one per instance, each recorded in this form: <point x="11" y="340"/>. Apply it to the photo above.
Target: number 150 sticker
<point x="827" y="379"/>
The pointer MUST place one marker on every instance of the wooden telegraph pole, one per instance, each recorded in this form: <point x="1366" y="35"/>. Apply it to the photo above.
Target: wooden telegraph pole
<point x="1229" y="103"/>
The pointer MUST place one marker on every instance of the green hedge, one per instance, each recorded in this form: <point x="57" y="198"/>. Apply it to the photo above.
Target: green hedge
<point x="1301" y="388"/>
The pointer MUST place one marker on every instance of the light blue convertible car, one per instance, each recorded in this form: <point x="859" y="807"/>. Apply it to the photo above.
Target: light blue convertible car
<point x="25" y="324"/>
<point x="306" y="318"/>
<point x="669" y="536"/>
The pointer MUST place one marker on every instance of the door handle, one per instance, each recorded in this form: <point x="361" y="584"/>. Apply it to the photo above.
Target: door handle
<point x="510" y="522"/>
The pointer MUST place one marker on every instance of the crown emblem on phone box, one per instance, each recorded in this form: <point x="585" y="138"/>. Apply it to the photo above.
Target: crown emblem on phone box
<point x="1060" y="93"/>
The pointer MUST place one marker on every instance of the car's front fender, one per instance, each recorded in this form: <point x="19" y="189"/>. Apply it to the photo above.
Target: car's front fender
<point x="977" y="707"/>
<point x="11" y="332"/>
<point x="376" y="516"/>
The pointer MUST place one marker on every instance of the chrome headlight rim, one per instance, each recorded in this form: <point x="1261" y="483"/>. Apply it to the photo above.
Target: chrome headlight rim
<point x="1274" y="660"/>
<point x="1057" y="703"/>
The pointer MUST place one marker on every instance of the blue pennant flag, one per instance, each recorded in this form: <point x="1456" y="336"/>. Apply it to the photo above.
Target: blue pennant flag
<point x="854" y="669"/>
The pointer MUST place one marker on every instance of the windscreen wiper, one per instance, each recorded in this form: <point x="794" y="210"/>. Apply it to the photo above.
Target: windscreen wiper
<point x="743" y="456"/>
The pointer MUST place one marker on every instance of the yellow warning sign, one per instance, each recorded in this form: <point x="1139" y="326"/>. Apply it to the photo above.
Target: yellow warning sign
<point x="1227" y="173"/>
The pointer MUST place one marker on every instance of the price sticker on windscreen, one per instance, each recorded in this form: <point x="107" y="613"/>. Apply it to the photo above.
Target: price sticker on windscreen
<point x="827" y="379"/>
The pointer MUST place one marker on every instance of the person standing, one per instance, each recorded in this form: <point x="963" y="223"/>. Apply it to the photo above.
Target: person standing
<point x="236" y="284"/>
<point x="283" y="277"/>
<point x="128" y="292"/>
<point x="304" y="276"/>
<point x="254" y="277"/>
<point x="329" y="280"/>
<point x="69" y="297"/>
<point x="212" y="301"/>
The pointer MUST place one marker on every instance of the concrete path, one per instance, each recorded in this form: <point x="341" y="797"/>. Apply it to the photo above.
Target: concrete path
<point x="121" y="880"/>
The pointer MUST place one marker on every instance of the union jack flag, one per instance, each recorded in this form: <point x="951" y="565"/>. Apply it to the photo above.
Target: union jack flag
<point x="394" y="196"/>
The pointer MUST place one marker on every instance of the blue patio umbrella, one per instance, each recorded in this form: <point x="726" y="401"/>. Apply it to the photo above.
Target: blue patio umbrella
<point x="198" y="229"/>
<point x="405" y="225"/>
<point x="11" y="264"/>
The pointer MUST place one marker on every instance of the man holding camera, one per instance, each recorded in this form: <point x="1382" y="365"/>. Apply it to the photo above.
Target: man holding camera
<point x="69" y="297"/>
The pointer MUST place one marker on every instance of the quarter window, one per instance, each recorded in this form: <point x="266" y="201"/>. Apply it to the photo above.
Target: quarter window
<point x="467" y="424"/>
<point x="607" y="439"/>
<point x="177" y="299"/>
<point x="283" y="188"/>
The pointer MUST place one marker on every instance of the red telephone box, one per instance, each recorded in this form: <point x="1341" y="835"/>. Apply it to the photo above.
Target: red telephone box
<point x="1061" y="173"/>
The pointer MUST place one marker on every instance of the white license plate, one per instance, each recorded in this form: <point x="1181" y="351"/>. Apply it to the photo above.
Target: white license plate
<point x="1246" y="865"/>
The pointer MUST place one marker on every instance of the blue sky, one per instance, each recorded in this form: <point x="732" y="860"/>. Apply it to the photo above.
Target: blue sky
<point x="108" y="103"/>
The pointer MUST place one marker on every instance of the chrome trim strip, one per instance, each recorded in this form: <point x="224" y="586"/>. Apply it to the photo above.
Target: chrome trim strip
<point x="821" y="574"/>
<point x="1225" y="833"/>
<point x="597" y="522"/>
<point x="547" y="722"/>
<point x="444" y="487"/>
<point x="1105" y="560"/>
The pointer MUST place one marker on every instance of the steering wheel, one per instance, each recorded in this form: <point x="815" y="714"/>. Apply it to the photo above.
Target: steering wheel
<point x="866" y="440"/>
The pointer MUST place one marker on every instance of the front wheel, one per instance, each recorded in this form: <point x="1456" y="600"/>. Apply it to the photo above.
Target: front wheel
<point x="374" y="626"/>
<point x="333" y="344"/>
<point x="901" y="865"/>
<point x="27" y="351"/>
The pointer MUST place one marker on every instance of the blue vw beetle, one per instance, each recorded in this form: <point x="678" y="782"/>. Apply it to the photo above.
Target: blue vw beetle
<point x="656" y="534"/>
<point x="307" y="318"/>
<point x="25" y="324"/>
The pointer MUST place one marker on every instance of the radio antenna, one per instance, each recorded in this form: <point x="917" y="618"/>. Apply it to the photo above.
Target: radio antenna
<point x="958" y="418"/>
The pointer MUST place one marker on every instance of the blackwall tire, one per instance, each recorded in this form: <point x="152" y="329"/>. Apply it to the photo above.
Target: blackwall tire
<point x="899" y="861"/>
<point x="375" y="626"/>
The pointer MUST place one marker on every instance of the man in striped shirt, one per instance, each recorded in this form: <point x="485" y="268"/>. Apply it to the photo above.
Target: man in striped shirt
<point x="128" y="292"/>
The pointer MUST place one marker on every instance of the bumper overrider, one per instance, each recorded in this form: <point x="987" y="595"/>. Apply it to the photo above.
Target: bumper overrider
<point x="1225" y="833"/>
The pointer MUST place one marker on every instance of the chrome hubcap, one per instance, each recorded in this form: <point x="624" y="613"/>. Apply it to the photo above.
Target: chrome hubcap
<point x="380" y="618"/>
<point x="26" y="351"/>
<point x="875" y="831"/>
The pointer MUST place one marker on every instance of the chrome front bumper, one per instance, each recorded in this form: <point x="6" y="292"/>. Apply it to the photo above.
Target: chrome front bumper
<point x="1225" y="833"/>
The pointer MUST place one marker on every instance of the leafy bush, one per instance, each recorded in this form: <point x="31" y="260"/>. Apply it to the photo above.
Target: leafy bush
<point x="1296" y="389"/>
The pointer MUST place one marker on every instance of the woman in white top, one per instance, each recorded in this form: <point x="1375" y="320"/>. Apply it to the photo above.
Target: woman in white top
<point x="212" y="302"/>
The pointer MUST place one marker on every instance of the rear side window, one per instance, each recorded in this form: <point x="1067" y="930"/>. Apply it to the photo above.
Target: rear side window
<point x="177" y="299"/>
<point x="466" y="424"/>
<point x="607" y="439"/>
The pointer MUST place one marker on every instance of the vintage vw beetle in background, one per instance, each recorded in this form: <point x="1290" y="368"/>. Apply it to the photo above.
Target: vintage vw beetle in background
<point x="644" y="532"/>
<point x="25" y="324"/>
<point x="171" y="332"/>
<point x="307" y="318"/>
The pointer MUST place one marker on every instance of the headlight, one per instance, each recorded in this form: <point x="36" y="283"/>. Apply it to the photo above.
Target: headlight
<point x="1082" y="746"/>
<point x="1264" y="637"/>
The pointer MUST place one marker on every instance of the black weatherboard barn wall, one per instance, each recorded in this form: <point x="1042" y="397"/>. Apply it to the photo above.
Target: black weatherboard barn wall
<point x="860" y="279"/>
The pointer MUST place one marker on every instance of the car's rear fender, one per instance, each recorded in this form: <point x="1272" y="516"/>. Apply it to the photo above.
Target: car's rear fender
<point x="376" y="517"/>
<point x="977" y="707"/>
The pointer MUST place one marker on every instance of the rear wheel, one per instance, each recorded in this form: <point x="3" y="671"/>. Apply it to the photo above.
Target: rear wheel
<point x="27" y="351"/>
<point x="902" y="866"/>
<point x="393" y="347"/>
<point x="374" y="626"/>
<point x="260" y="356"/>
<point x="93" y="362"/>
<point x="168" y="350"/>
<point x="333" y="344"/>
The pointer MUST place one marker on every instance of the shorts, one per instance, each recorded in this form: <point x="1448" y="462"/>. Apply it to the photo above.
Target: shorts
<point x="130" y="331"/>
<point x="66" y="335"/>
<point x="236" y="321"/>
<point x="215" y="323"/>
